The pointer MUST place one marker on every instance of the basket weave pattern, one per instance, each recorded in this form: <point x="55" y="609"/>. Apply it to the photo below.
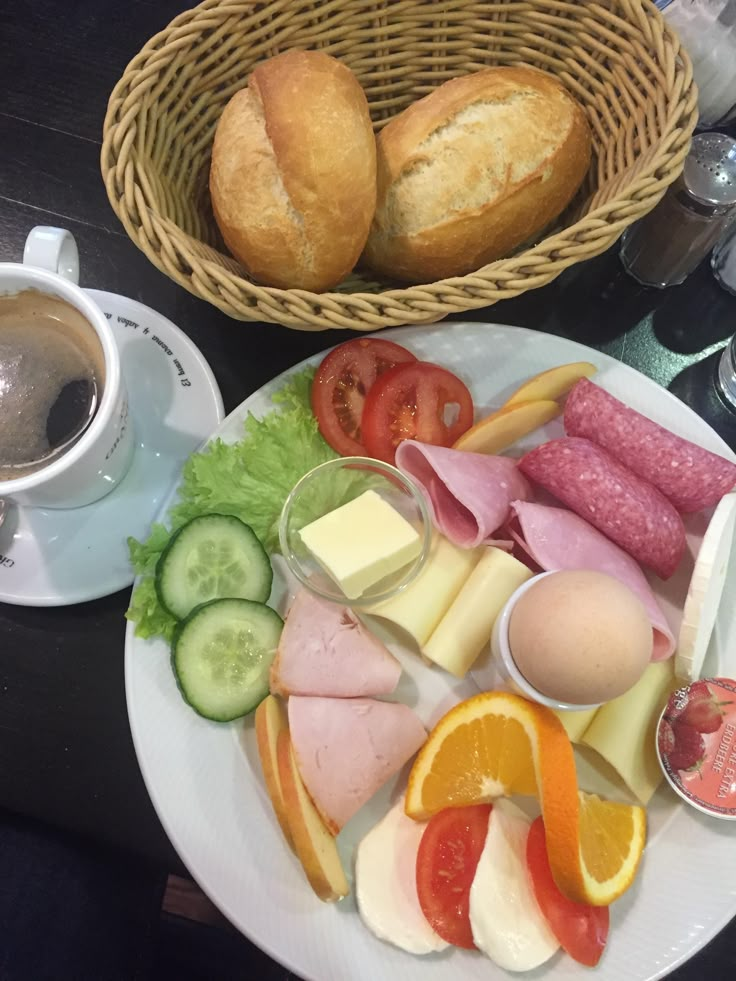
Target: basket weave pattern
<point x="618" y="57"/>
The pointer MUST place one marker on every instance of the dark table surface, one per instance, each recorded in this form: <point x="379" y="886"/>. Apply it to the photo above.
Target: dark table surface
<point x="66" y="755"/>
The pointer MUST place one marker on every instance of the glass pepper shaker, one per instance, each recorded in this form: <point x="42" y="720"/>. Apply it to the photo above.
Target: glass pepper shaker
<point x="727" y="373"/>
<point x="723" y="260"/>
<point x="666" y="245"/>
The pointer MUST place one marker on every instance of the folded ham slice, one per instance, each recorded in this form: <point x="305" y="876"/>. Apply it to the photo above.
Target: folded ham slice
<point x="468" y="494"/>
<point x="558" y="539"/>
<point x="325" y="650"/>
<point x="347" y="748"/>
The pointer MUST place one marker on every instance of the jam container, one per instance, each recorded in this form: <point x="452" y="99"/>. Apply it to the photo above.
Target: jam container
<point x="696" y="745"/>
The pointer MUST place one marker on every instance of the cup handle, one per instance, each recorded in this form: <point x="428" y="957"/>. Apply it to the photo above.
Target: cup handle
<point x="53" y="249"/>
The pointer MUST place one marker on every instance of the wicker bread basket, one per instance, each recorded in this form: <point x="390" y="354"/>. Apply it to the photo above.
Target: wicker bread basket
<point x="619" y="58"/>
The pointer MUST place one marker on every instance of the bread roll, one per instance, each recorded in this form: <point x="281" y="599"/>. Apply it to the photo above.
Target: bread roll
<point x="472" y="170"/>
<point x="293" y="175"/>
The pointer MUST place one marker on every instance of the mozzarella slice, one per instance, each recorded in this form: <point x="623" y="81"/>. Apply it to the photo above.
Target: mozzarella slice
<point x="505" y="918"/>
<point x="704" y="593"/>
<point x="385" y="884"/>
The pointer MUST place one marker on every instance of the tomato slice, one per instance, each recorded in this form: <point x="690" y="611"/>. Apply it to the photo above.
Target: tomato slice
<point x="340" y="386"/>
<point x="415" y="401"/>
<point x="447" y="858"/>
<point x="582" y="930"/>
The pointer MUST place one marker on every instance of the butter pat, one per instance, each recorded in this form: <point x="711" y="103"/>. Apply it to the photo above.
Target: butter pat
<point x="361" y="542"/>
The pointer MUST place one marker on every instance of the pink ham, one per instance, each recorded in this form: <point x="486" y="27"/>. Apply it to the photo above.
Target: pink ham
<point x="347" y="748"/>
<point x="558" y="539"/>
<point x="691" y="477"/>
<point x="468" y="494"/>
<point x="628" y="510"/>
<point x="325" y="650"/>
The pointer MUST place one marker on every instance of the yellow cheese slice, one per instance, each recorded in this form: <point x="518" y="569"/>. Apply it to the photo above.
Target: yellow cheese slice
<point x="465" y="629"/>
<point x="553" y="383"/>
<point x="419" y="608"/>
<point x="576" y="723"/>
<point x="623" y="731"/>
<point x="503" y="428"/>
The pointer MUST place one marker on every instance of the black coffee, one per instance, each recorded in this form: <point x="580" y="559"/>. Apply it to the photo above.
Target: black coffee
<point x="52" y="373"/>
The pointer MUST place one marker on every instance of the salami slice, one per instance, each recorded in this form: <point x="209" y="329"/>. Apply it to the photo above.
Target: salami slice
<point x="468" y="494"/>
<point x="690" y="477"/>
<point x="628" y="510"/>
<point x="558" y="539"/>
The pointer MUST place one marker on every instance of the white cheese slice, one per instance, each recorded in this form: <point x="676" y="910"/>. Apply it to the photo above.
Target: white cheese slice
<point x="505" y="917"/>
<point x="704" y="593"/>
<point x="419" y="608"/>
<point x="386" y="884"/>
<point x="362" y="542"/>
<point x="466" y="628"/>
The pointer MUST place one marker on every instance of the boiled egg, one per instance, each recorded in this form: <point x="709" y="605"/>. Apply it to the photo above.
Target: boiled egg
<point x="505" y="917"/>
<point x="580" y="637"/>
<point x="386" y="884"/>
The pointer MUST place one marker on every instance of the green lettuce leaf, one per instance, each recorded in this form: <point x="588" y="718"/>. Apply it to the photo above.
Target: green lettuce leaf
<point x="150" y="618"/>
<point x="250" y="479"/>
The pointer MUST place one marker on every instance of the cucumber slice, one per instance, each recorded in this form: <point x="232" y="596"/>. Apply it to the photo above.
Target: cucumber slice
<point x="221" y="655"/>
<point x="214" y="556"/>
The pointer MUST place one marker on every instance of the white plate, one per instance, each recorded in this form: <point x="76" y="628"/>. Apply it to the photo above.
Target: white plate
<point x="52" y="557"/>
<point x="205" y="783"/>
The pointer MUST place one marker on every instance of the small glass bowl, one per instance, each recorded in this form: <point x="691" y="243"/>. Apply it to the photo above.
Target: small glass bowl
<point x="504" y="661"/>
<point x="329" y="486"/>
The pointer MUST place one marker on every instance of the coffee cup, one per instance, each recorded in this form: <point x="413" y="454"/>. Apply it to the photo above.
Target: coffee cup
<point x="67" y="438"/>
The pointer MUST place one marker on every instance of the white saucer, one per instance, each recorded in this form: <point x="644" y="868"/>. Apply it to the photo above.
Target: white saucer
<point x="53" y="557"/>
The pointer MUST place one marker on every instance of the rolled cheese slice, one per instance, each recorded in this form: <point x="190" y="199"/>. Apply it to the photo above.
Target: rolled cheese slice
<point x="623" y="731"/>
<point x="465" y="629"/>
<point x="417" y="610"/>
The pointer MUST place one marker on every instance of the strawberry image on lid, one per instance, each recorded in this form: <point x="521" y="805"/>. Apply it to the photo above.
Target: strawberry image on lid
<point x="696" y="745"/>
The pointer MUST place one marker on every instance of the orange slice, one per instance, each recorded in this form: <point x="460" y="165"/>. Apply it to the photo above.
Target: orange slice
<point x="497" y="744"/>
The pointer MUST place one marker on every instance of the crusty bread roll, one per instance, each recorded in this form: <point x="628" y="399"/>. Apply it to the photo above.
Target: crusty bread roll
<point x="293" y="175"/>
<point x="472" y="170"/>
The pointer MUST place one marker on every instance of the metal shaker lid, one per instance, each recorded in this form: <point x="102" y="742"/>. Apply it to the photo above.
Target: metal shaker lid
<point x="709" y="174"/>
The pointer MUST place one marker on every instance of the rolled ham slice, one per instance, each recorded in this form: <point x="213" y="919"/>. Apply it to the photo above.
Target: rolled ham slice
<point x="557" y="539"/>
<point x="628" y="510"/>
<point x="468" y="494"/>
<point x="347" y="748"/>
<point x="689" y="476"/>
<point x="325" y="650"/>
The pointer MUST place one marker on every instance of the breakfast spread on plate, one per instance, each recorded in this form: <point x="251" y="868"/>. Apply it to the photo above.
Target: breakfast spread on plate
<point x="587" y="631"/>
<point x="461" y="177"/>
